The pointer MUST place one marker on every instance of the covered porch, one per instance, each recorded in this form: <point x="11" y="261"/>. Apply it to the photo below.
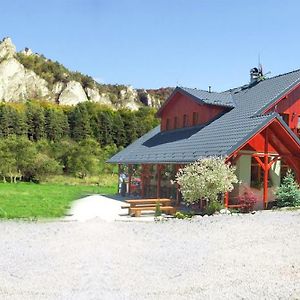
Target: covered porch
<point x="262" y="162"/>
<point x="150" y="181"/>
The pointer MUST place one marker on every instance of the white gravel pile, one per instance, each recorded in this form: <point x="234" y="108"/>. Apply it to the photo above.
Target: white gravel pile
<point x="223" y="257"/>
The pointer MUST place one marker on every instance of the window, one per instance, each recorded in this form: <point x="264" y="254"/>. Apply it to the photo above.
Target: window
<point x="168" y="124"/>
<point x="195" y="118"/>
<point x="185" y="121"/>
<point x="175" y="122"/>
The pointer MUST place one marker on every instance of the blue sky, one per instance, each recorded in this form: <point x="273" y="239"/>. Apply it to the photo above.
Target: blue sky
<point x="155" y="43"/>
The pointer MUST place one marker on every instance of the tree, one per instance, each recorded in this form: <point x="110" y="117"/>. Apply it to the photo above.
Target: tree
<point x="56" y="124"/>
<point x="288" y="194"/>
<point x="35" y="121"/>
<point x="84" y="159"/>
<point x="45" y="166"/>
<point x="80" y="123"/>
<point x="118" y="130"/>
<point x="105" y="128"/>
<point x="206" y="178"/>
<point x="130" y="126"/>
<point x="8" y="164"/>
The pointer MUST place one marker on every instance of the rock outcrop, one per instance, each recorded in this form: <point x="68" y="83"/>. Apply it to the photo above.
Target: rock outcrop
<point x="18" y="83"/>
<point x="72" y="94"/>
<point x="129" y="98"/>
<point x="95" y="96"/>
<point x="7" y="49"/>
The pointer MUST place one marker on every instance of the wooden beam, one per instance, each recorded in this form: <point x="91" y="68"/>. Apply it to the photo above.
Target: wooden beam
<point x="273" y="161"/>
<point x="177" y="167"/>
<point x="129" y="178"/>
<point x="266" y="170"/>
<point x="143" y="181"/>
<point x="119" y="172"/>
<point x="257" y="158"/>
<point x="226" y="199"/>
<point x="158" y="172"/>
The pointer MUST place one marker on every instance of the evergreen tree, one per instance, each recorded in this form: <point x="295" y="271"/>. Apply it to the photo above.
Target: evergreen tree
<point x="35" y="121"/>
<point x="80" y="123"/>
<point x="118" y="130"/>
<point x="288" y="194"/>
<point x="105" y="128"/>
<point x="130" y="126"/>
<point x="19" y="122"/>
<point x="56" y="124"/>
<point x="6" y="125"/>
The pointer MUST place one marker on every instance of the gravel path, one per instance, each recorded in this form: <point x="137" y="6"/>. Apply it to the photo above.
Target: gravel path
<point x="223" y="257"/>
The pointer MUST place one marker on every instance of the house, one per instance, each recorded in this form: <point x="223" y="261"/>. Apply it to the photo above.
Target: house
<point x="254" y="126"/>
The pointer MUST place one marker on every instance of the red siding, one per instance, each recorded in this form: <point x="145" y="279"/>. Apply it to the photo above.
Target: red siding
<point x="182" y="105"/>
<point x="290" y="105"/>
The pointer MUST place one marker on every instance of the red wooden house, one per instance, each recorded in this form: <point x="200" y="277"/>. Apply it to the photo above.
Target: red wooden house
<point x="255" y="126"/>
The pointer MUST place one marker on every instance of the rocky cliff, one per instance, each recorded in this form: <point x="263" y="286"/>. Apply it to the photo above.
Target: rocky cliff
<point x="26" y="75"/>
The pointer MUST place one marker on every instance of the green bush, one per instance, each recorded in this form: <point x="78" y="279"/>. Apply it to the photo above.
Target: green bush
<point x="288" y="194"/>
<point x="183" y="215"/>
<point x="157" y="210"/>
<point x="212" y="207"/>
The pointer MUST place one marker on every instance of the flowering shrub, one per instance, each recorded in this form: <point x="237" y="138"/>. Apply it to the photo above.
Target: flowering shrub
<point x="248" y="199"/>
<point x="206" y="178"/>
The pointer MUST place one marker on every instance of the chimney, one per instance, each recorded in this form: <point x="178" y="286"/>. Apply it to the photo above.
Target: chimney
<point x="209" y="88"/>
<point x="254" y="75"/>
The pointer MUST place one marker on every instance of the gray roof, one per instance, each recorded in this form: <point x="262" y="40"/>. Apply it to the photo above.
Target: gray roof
<point x="220" y="137"/>
<point x="213" y="98"/>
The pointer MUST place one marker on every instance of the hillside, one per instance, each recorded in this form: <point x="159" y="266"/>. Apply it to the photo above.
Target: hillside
<point x="26" y="75"/>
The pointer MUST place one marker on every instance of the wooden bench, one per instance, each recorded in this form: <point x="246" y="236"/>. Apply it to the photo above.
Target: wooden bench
<point x="136" y="211"/>
<point x="137" y="206"/>
<point x="238" y="206"/>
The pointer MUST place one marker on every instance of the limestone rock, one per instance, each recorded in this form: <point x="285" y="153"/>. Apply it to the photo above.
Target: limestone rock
<point x="129" y="94"/>
<point x="129" y="98"/>
<point x="148" y="99"/>
<point x="95" y="96"/>
<point x="27" y="52"/>
<point x="132" y="106"/>
<point x="72" y="94"/>
<point x="58" y="87"/>
<point x="18" y="83"/>
<point x="7" y="49"/>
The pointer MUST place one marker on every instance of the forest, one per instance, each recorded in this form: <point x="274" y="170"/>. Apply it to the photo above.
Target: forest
<point x="40" y="139"/>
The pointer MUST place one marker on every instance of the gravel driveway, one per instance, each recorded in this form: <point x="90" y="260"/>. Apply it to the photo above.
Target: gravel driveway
<point x="223" y="257"/>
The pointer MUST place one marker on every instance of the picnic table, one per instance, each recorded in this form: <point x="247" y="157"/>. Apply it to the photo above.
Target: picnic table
<point x="137" y="206"/>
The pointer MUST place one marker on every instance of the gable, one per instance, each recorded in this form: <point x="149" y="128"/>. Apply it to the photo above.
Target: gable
<point x="183" y="111"/>
<point x="280" y="139"/>
<point x="288" y="105"/>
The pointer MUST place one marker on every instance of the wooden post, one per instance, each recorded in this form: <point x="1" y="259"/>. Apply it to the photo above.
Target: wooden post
<point x="177" y="187"/>
<point x="266" y="170"/>
<point x="129" y="178"/>
<point x="143" y="181"/>
<point x="119" y="172"/>
<point x="158" y="173"/>
<point x="226" y="199"/>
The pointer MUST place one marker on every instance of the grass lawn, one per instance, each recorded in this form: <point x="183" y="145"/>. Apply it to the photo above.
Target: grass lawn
<point x="49" y="200"/>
